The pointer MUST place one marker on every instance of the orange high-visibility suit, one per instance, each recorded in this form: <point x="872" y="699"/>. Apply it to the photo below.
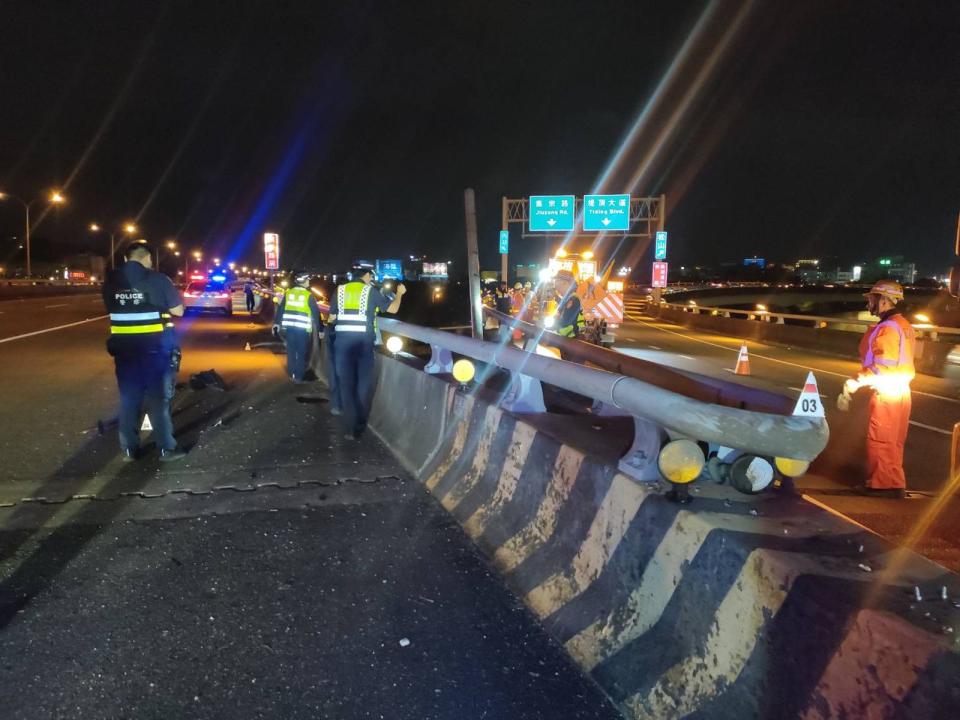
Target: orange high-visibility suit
<point x="886" y="358"/>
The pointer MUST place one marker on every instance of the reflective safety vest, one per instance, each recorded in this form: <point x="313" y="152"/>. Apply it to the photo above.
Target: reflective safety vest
<point x="352" y="307"/>
<point x="135" y="322"/>
<point x="296" y="310"/>
<point x="886" y="352"/>
<point x="578" y="325"/>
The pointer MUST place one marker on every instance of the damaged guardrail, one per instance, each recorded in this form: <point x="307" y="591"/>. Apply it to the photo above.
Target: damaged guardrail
<point x="671" y="429"/>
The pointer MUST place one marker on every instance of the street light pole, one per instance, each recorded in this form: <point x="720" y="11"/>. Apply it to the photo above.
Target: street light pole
<point x="55" y="197"/>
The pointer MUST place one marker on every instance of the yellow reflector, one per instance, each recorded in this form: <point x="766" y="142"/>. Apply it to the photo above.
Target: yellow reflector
<point x="394" y="344"/>
<point x="790" y="467"/>
<point x="681" y="461"/>
<point x="463" y="370"/>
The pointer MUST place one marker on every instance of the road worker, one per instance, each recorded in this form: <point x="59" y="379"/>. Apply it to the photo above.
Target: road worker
<point x="570" y="322"/>
<point x="142" y="303"/>
<point x="353" y="311"/>
<point x="886" y="360"/>
<point x="299" y="316"/>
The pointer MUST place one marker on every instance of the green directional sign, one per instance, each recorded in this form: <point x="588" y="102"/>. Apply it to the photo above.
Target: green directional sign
<point x="551" y="213"/>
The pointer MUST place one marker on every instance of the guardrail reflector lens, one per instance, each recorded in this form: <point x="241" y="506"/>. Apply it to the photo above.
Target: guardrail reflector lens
<point x="681" y="461"/>
<point x="463" y="370"/>
<point x="791" y="468"/>
<point x="394" y="344"/>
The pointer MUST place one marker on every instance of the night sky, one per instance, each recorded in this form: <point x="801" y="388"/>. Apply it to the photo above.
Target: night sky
<point x="352" y="128"/>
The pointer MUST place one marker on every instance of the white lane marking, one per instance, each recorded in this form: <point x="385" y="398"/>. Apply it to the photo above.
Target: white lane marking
<point x="777" y="360"/>
<point x="654" y="347"/>
<point x="57" y="305"/>
<point x="729" y="370"/>
<point x="931" y="427"/>
<point x="58" y="327"/>
<point x="687" y="357"/>
<point x="630" y="340"/>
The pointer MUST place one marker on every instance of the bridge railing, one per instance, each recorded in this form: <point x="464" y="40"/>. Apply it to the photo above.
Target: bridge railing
<point x="923" y="330"/>
<point x="661" y="417"/>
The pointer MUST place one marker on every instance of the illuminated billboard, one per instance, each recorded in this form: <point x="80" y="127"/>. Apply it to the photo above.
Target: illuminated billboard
<point x="271" y="251"/>
<point x="435" y="269"/>
<point x="390" y="269"/>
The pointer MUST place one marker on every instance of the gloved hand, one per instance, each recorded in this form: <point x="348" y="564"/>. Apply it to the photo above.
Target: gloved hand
<point x="850" y="387"/>
<point x="843" y="401"/>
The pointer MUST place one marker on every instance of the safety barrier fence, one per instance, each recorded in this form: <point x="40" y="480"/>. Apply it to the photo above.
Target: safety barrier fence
<point x="923" y="330"/>
<point x="662" y="418"/>
<point x="732" y="607"/>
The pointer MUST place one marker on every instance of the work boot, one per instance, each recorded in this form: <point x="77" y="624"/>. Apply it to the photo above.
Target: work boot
<point x="172" y="455"/>
<point x="128" y="455"/>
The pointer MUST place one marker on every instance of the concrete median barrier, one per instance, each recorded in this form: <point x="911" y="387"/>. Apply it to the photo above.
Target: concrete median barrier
<point x="731" y="607"/>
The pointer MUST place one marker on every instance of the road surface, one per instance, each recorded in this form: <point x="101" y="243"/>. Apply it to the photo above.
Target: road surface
<point x="279" y="571"/>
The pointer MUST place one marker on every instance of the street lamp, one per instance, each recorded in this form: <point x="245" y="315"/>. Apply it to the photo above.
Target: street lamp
<point x="129" y="228"/>
<point x="54" y="198"/>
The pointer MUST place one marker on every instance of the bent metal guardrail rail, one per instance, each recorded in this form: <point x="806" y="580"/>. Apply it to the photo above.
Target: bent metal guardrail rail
<point x="759" y="433"/>
<point x="693" y="385"/>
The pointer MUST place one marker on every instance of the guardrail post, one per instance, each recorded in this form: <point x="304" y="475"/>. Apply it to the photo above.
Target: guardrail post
<point x="441" y="361"/>
<point x="640" y="462"/>
<point x="525" y="393"/>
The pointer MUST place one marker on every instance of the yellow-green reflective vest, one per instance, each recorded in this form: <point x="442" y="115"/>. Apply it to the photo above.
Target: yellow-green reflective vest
<point x="296" y="310"/>
<point x="352" y="307"/>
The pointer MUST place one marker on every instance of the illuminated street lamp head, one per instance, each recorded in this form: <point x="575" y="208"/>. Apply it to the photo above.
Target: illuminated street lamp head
<point x="231" y="265"/>
<point x="588" y="255"/>
<point x="57" y="197"/>
<point x="130" y="228"/>
<point x="561" y="253"/>
<point x="171" y="244"/>
<point x="94" y="227"/>
<point x="197" y="254"/>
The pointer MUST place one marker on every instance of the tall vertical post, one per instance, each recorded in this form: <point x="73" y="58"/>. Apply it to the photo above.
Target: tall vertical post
<point x="473" y="263"/>
<point x="504" y="225"/>
<point x="661" y="225"/>
<point x="27" y="234"/>
<point x="113" y="252"/>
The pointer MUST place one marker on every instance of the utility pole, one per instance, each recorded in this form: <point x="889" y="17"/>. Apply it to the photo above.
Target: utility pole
<point x="504" y="225"/>
<point x="473" y="263"/>
<point x="661" y="225"/>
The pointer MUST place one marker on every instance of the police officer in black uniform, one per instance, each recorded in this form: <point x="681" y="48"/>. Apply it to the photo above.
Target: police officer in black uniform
<point x="144" y="349"/>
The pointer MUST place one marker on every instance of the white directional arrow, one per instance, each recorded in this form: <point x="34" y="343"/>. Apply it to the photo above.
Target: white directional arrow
<point x="606" y="221"/>
<point x="551" y="222"/>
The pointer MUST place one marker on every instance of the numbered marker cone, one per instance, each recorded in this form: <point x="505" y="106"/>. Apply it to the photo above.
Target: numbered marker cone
<point x="743" y="362"/>
<point x="248" y="347"/>
<point x="146" y="427"/>
<point x="809" y="404"/>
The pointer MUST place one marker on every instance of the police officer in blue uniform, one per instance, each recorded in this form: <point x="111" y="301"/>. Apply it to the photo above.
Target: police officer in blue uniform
<point x="299" y="316"/>
<point x="353" y="310"/>
<point x="141" y="303"/>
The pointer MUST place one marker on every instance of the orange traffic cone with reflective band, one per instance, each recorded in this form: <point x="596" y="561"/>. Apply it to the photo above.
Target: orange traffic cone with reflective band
<point x="743" y="362"/>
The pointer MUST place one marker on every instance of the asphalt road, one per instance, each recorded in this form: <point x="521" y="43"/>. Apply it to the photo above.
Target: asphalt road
<point x="919" y="521"/>
<point x="278" y="571"/>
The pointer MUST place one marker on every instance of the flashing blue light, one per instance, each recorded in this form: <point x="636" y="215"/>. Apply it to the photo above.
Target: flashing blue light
<point x="218" y="278"/>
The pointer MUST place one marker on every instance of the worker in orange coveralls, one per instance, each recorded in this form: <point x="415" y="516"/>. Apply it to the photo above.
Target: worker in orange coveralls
<point x="886" y="359"/>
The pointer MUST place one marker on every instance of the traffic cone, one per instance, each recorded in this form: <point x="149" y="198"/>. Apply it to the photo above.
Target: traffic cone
<point x="743" y="362"/>
<point x="809" y="403"/>
<point x="248" y="347"/>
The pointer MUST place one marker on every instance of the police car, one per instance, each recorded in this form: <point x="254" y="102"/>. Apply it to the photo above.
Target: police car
<point x="208" y="294"/>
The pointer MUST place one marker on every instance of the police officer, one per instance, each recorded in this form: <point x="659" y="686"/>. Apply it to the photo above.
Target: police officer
<point x="144" y="349"/>
<point x="299" y="316"/>
<point x="353" y="310"/>
<point x="570" y="322"/>
<point x="886" y="368"/>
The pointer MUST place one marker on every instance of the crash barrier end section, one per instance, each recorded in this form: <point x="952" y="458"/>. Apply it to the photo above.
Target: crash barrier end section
<point x="731" y="606"/>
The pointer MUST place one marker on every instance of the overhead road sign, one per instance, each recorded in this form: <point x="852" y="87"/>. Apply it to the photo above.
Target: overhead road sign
<point x="606" y="212"/>
<point x="552" y="213"/>
<point x="504" y="242"/>
<point x="660" y="246"/>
